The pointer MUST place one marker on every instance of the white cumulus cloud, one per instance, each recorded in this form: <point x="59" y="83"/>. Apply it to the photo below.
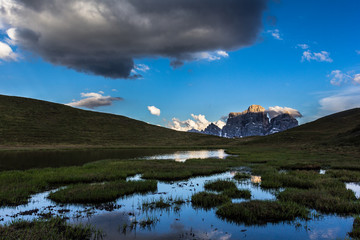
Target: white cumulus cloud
<point x="93" y="100"/>
<point x="303" y="46"/>
<point x="199" y="123"/>
<point x="275" y="33"/>
<point x="342" y="100"/>
<point x="154" y="110"/>
<point x="322" y="56"/>
<point x="209" y="56"/>
<point x="142" y="67"/>
<point x="356" y="78"/>
<point x="276" y="111"/>
<point x="6" y="53"/>
<point x="337" y="78"/>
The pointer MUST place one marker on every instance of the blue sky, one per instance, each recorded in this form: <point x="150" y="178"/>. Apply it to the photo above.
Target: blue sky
<point x="317" y="78"/>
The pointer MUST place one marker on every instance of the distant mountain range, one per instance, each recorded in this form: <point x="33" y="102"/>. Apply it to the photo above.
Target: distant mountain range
<point x="252" y="122"/>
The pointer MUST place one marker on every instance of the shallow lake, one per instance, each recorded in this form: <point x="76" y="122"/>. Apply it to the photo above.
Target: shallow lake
<point x="182" y="222"/>
<point x="21" y="160"/>
<point x="182" y="156"/>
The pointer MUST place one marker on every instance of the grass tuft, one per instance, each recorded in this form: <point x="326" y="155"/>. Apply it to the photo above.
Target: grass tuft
<point x="53" y="228"/>
<point x="336" y="200"/>
<point x="208" y="200"/>
<point x="219" y="185"/>
<point x="261" y="212"/>
<point x="242" y="176"/>
<point x="102" y="192"/>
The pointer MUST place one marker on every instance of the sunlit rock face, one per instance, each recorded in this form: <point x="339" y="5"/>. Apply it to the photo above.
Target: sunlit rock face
<point x="252" y="122"/>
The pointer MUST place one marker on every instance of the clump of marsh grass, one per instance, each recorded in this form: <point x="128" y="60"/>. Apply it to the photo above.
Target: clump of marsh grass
<point x="335" y="200"/>
<point x="261" y="212"/>
<point x="101" y="193"/>
<point x="355" y="232"/>
<point x="227" y="188"/>
<point x="219" y="185"/>
<point x="208" y="200"/>
<point x="242" y="176"/>
<point x="237" y="193"/>
<point x="53" y="228"/>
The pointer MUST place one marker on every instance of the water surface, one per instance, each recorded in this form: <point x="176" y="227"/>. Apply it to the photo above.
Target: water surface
<point x="186" y="222"/>
<point x="21" y="160"/>
<point x="182" y="156"/>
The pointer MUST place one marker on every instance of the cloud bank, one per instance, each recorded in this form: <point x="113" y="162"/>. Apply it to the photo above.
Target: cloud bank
<point x="345" y="99"/>
<point x="154" y="110"/>
<point x="93" y="100"/>
<point x="199" y="123"/>
<point x="276" y="111"/>
<point x="102" y="37"/>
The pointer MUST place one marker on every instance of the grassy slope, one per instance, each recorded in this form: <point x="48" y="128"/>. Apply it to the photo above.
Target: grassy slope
<point x="32" y="122"/>
<point x="339" y="129"/>
<point x="25" y="121"/>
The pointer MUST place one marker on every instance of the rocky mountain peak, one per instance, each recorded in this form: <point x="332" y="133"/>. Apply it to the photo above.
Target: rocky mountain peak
<point x="254" y="121"/>
<point x="252" y="109"/>
<point x="255" y="108"/>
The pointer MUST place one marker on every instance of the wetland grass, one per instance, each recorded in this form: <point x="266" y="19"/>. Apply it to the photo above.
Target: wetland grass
<point x="53" y="228"/>
<point x="227" y="188"/>
<point x="336" y="200"/>
<point x="355" y="232"/>
<point x="102" y="192"/>
<point x="258" y="212"/>
<point x="242" y="176"/>
<point x="219" y="185"/>
<point x="208" y="200"/>
<point x="237" y="193"/>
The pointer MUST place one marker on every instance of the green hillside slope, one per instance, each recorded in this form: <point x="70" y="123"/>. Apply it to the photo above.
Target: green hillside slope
<point x="339" y="129"/>
<point x="25" y="121"/>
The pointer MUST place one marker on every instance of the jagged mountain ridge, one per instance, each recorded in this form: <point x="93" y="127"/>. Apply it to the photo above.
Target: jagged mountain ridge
<point x="252" y="122"/>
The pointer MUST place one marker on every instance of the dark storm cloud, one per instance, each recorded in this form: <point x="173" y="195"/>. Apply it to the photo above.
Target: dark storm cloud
<point x="103" y="37"/>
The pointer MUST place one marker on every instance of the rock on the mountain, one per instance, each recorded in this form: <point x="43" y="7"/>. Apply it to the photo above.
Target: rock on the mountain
<point x="282" y="122"/>
<point x="212" y="129"/>
<point x="252" y="122"/>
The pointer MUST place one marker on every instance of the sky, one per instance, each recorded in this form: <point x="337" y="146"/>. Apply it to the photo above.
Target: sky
<point x="183" y="63"/>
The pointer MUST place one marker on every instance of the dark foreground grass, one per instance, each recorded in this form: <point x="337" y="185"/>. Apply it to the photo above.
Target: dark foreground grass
<point x="237" y="193"/>
<point x="219" y="185"/>
<point x="101" y="192"/>
<point x="261" y="212"/>
<point x="344" y="175"/>
<point x="208" y="200"/>
<point x="54" y="228"/>
<point x="242" y="176"/>
<point x="355" y="232"/>
<point x="227" y="188"/>
<point x="336" y="200"/>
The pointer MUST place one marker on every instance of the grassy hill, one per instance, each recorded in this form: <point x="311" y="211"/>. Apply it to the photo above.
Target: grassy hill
<point x="29" y="122"/>
<point x="339" y="129"/>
